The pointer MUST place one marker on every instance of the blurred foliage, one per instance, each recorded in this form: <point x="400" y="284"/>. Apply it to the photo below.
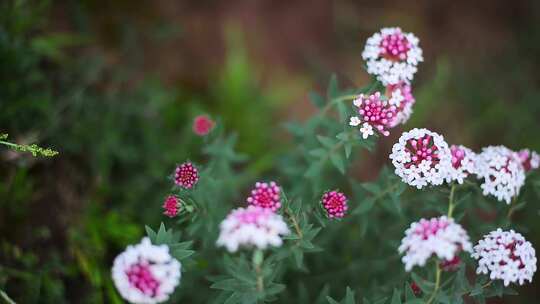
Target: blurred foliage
<point x="63" y="220"/>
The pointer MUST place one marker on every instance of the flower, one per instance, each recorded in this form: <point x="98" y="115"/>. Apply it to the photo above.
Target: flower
<point x="463" y="163"/>
<point x="202" y="125"/>
<point x="415" y="289"/>
<point x="265" y="195"/>
<point x="146" y="273"/>
<point x="507" y="256"/>
<point x="530" y="160"/>
<point x="335" y="204"/>
<point x="392" y="55"/>
<point x="401" y="96"/>
<point x="171" y="206"/>
<point x="421" y="157"/>
<point x="186" y="175"/>
<point x="376" y="113"/>
<point x="502" y="172"/>
<point x="252" y="227"/>
<point x="440" y="237"/>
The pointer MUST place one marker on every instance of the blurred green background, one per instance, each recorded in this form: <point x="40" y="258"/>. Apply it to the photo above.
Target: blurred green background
<point x="114" y="86"/>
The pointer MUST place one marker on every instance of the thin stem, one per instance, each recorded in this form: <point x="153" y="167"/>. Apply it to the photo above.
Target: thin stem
<point x="258" y="257"/>
<point x="295" y="223"/>
<point x="512" y="209"/>
<point x="437" y="283"/>
<point x="335" y="101"/>
<point x="451" y="201"/>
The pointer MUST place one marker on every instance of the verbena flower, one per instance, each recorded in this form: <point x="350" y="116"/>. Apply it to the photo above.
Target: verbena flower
<point x="145" y="273"/>
<point x="251" y="227"/>
<point x="392" y="56"/>
<point x="202" y="125"/>
<point x="335" y="204"/>
<point x="186" y="175"/>
<point x="507" y="256"/>
<point x="439" y="237"/>
<point x="171" y="206"/>
<point x="421" y="157"/>
<point x="265" y="195"/>
<point x="502" y="172"/>
<point x="374" y="111"/>
<point x="401" y="96"/>
<point x="463" y="163"/>
<point x="530" y="160"/>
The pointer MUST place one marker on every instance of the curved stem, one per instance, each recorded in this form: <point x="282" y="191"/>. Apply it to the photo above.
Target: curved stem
<point x="437" y="283"/>
<point x="451" y="201"/>
<point x="335" y="101"/>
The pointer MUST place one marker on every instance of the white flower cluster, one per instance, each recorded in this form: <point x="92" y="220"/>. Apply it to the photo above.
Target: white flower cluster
<point x="507" y="256"/>
<point x="421" y="157"/>
<point x="464" y="162"/>
<point x="145" y="273"/>
<point x="502" y="172"/>
<point x="252" y="227"/>
<point x="392" y="69"/>
<point x="440" y="237"/>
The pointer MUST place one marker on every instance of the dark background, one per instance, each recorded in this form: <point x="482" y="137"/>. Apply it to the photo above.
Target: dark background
<point x="114" y="85"/>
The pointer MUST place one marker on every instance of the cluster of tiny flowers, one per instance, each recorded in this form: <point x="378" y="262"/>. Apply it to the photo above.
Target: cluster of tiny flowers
<point x="171" y="206"/>
<point x="335" y="204"/>
<point x="507" y="256"/>
<point x="375" y="113"/>
<point x="530" y="160"/>
<point x="145" y="273"/>
<point x="202" y="125"/>
<point x="502" y="172"/>
<point x="266" y="195"/>
<point x="251" y="227"/>
<point x="186" y="175"/>
<point x="421" y="157"/>
<point x="402" y="94"/>
<point x="463" y="163"/>
<point x="440" y="237"/>
<point x="392" y="55"/>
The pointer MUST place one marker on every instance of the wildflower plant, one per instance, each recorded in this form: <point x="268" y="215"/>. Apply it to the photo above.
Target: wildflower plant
<point x="268" y="242"/>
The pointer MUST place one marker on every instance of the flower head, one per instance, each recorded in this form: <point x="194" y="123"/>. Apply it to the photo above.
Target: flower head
<point x="440" y="237"/>
<point x="401" y="96"/>
<point x="463" y="163"/>
<point x="421" y="157"/>
<point x="265" y="195"/>
<point x="507" y="256"/>
<point x="186" y="175"/>
<point x="392" y="55"/>
<point x="530" y="160"/>
<point x="145" y="273"/>
<point x="202" y="125"/>
<point x="376" y="113"/>
<point x="252" y="227"/>
<point x="171" y="206"/>
<point x="335" y="204"/>
<point x="502" y="172"/>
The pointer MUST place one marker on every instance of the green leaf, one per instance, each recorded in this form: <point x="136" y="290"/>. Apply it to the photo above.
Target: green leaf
<point x="150" y="233"/>
<point x="326" y="141"/>
<point x="331" y="301"/>
<point x="396" y="297"/>
<point x="349" y="296"/>
<point x="338" y="162"/>
<point x="316" y="99"/>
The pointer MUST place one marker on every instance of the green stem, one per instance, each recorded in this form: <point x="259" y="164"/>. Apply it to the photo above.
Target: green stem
<point x="437" y="283"/>
<point x="295" y="223"/>
<point x="335" y="101"/>
<point x="451" y="201"/>
<point x="511" y="210"/>
<point x="258" y="257"/>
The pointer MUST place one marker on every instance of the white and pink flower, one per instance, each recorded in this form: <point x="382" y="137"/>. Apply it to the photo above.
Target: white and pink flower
<point x="252" y="227"/>
<point x="463" y="163"/>
<point x="501" y="171"/>
<point x="401" y="96"/>
<point x="506" y="256"/>
<point x="266" y="195"/>
<point x="392" y="56"/>
<point x="145" y="273"/>
<point x="421" y="157"/>
<point x="438" y="237"/>
<point x="530" y="160"/>
<point x="375" y="112"/>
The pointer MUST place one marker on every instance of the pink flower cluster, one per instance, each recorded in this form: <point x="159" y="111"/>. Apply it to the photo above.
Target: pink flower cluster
<point x="186" y="175"/>
<point x="335" y="204"/>
<point x="266" y="195"/>
<point x="202" y="125"/>
<point x="140" y="277"/>
<point x="171" y="206"/>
